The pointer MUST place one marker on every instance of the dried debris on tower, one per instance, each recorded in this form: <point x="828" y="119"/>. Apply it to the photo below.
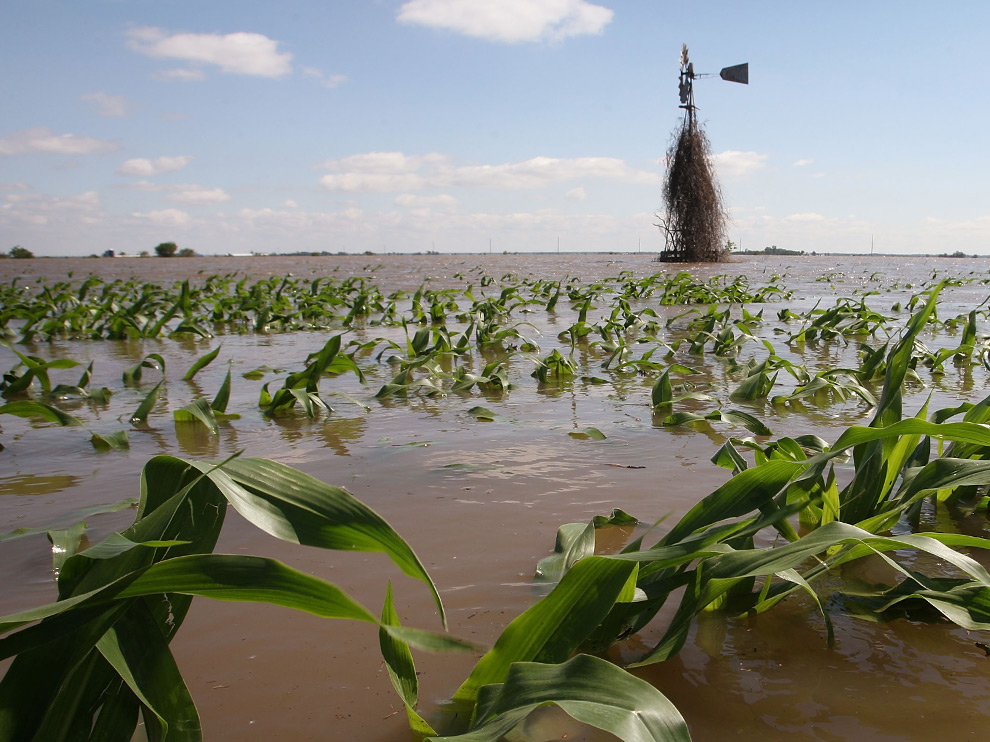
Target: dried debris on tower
<point x="694" y="222"/>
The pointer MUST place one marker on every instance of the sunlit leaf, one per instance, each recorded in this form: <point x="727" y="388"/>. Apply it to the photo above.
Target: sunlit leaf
<point x="141" y="413"/>
<point x="33" y="409"/>
<point x="589" y="689"/>
<point x="589" y="433"/>
<point x="553" y="628"/>
<point x="198" y="411"/>
<point x="201" y="363"/>
<point x="400" y="666"/>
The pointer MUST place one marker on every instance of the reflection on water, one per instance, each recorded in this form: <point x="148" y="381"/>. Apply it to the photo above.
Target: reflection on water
<point x="775" y="677"/>
<point x="196" y="441"/>
<point x="481" y="501"/>
<point x="337" y="433"/>
<point x="37" y="484"/>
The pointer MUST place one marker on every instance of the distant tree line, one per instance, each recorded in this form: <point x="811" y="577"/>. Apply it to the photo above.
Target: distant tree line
<point x="18" y="252"/>
<point x="170" y="249"/>
<point x="771" y="250"/>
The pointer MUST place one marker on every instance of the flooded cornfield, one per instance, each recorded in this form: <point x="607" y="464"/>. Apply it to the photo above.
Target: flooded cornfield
<point x="480" y="402"/>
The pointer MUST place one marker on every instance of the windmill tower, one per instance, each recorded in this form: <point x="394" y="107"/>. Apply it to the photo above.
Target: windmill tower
<point x="693" y="225"/>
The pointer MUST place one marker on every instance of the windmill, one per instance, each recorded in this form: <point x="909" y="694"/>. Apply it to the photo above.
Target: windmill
<point x="694" y="223"/>
<point x="685" y="87"/>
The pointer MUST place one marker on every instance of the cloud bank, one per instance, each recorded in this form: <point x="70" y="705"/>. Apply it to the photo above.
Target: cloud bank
<point x="146" y="168"/>
<point x="42" y="139"/>
<point x="108" y="105"/>
<point x="238" y="53"/>
<point x="386" y="172"/>
<point x="509" y="21"/>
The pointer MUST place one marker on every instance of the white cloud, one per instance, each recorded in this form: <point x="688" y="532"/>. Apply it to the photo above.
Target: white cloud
<point x="372" y="182"/>
<point x="184" y="74"/>
<point x="808" y="231"/>
<point x="40" y="210"/>
<point x="541" y="171"/>
<point x="145" y="185"/>
<point x="108" y="105"/>
<point x="185" y="193"/>
<point x="174" y="217"/>
<point x="410" y="201"/>
<point x="328" y="81"/>
<point x="238" y="53"/>
<point x="509" y="21"/>
<point x="386" y="162"/>
<point x="736" y="164"/>
<point x="394" y="171"/>
<point x="978" y="226"/>
<point x="292" y="224"/>
<point x="541" y="226"/>
<point x="146" y="168"/>
<point x="42" y="139"/>
<point x="802" y="163"/>
<point x="197" y="195"/>
<point x="576" y="194"/>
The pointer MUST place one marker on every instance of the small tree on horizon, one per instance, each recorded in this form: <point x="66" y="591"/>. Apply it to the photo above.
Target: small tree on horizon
<point x="20" y="252"/>
<point x="166" y="249"/>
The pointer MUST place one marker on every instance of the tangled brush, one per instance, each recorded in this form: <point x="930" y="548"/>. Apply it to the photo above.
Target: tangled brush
<point x="694" y="227"/>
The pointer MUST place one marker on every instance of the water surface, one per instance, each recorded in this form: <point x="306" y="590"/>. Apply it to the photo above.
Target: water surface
<point x="480" y="502"/>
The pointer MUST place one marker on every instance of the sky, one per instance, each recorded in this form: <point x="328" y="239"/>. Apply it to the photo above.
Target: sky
<point x="486" y="125"/>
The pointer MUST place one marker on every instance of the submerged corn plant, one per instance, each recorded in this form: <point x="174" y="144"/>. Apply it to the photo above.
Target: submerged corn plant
<point x="90" y="664"/>
<point x="97" y="661"/>
<point x="82" y="662"/>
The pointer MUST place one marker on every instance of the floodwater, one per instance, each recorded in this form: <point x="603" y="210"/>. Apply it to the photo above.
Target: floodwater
<point x="480" y="502"/>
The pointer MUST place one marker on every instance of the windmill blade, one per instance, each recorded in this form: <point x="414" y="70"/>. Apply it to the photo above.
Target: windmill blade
<point x="736" y="73"/>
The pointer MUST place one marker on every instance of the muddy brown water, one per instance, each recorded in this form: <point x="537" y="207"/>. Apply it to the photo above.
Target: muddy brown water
<point x="480" y="502"/>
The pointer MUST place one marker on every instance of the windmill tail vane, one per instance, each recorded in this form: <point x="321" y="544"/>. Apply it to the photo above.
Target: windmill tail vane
<point x="685" y="87"/>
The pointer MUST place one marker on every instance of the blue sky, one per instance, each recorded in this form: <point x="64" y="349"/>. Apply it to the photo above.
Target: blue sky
<point x="232" y="127"/>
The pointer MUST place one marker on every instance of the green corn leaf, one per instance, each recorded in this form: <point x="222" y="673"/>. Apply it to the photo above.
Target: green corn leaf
<point x="141" y="413"/>
<point x="618" y="517"/>
<point x="192" y="327"/>
<point x="201" y="363"/>
<point x="106" y="441"/>
<point x="553" y="628"/>
<point x="116" y="544"/>
<point x="729" y="458"/>
<point x="200" y="412"/>
<point x="69" y="518"/>
<point x="400" y="666"/>
<point x="738" y="417"/>
<point x="65" y="543"/>
<point x="219" y="403"/>
<point x="483" y="414"/>
<point x="662" y="393"/>
<point x="296" y="507"/>
<point x="588" y="689"/>
<point x="593" y="434"/>
<point x="747" y="491"/>
<point x="154" y="361"/>
<point x="137" y="651"/>
<point x="574" y="542"/>
<point x="31" y="408"/>
<point x="965" y="603"/>
<point x="683" y="418"/>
